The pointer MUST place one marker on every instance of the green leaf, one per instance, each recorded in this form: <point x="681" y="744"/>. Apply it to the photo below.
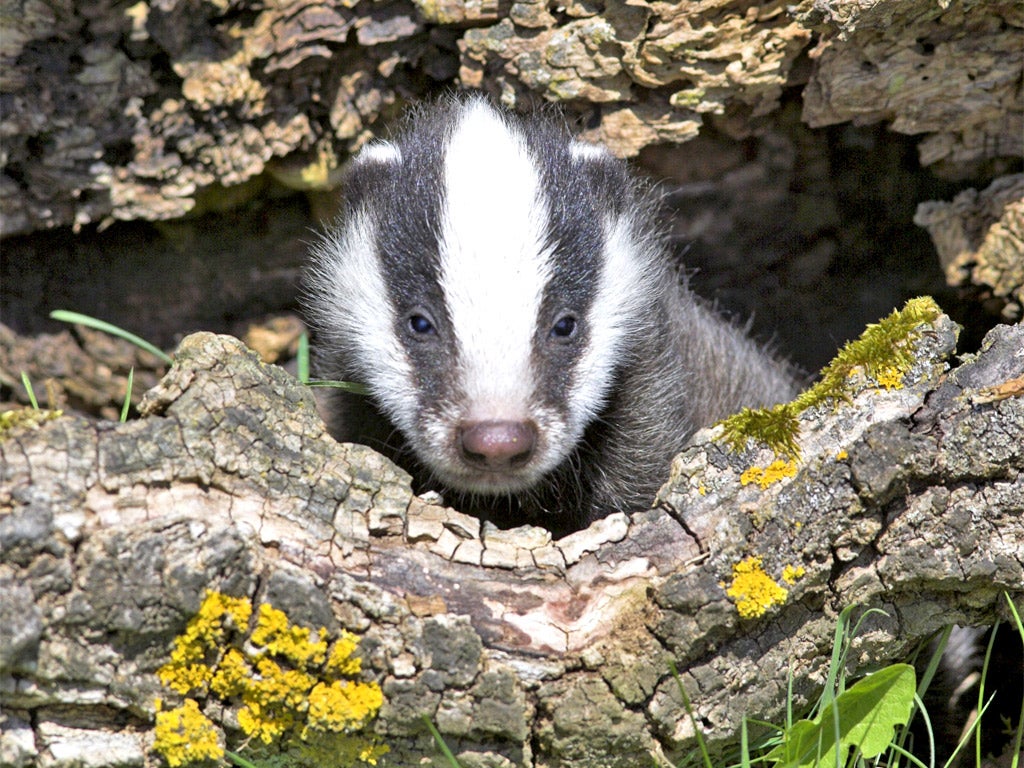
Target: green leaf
<point x="863" y="717"/>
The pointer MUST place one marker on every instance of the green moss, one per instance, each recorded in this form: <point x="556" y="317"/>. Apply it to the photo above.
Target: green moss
<point x="25" y="418"/>
<point x="776" y="427"/>
<point x="883" y="353"/>
<point x="688" y="99"/>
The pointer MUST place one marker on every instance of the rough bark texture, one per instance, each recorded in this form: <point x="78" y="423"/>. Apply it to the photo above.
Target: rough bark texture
<point x="523" y="651"/>
<point x="125" y="115"/>
<point x="980" y="240"/>
<point x="221" y="109"/>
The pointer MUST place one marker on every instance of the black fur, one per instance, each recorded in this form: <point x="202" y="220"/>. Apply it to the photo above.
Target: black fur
<point x="680" y="368"/>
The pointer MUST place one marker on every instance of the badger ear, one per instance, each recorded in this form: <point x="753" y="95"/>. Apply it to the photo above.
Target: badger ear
<point x="379" y="152"/>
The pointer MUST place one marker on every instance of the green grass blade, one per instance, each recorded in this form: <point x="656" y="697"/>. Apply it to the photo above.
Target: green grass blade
<point x="31" y="392"/>
<point x="927" y="720"/>
<point x="1016" y="616"/>
<point x="839" y="641"/>
<point x="911" y="759"/>
<point x="789" y="698"/>
<point x="239" y="760"/>
<point x="985" y="667"/>
<point x="966" y="738"/>
<point x="1019" y="737"/>
<point x="302" y="358"/>
<point x="128" y="395"/>
<point x="65" y="316"/>
<point x="922" y="687"/>
<point x="348" y="386"/>
<point x="440" y="743"/>
<point x="705" y="756"/>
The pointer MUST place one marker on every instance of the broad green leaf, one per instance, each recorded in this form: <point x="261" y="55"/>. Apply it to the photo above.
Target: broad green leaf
<point x="865" y="717"/>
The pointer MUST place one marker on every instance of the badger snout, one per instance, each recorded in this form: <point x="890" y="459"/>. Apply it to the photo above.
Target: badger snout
<point x="497" y="446"/>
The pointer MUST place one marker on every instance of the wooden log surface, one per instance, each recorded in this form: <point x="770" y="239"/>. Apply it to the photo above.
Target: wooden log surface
<point x="145" y="114"/>
<point x="523" y="650"/>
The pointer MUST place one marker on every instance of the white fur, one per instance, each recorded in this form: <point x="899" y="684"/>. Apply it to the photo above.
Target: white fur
<point x="621" y="290"/>
<point x="582" y="151"/>
<point x="352" y="301"/>
<point x="379" y="152"/>
<point x="493" y="263"/>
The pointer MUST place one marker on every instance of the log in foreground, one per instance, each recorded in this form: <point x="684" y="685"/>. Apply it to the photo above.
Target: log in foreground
<point x="523" y="650"/>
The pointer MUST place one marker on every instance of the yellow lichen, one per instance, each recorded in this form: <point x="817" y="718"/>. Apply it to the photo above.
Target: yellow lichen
<point x="342" y="705"/>
<point x="297" y="644"/>
<point x="791" y="573"/>
<point x="765" y="476"/>
<point x="185" y="735"/>
<point x="753" y="590"/>
<point x="290" y="694"/>
<point x="342" y="660"/>
<point x="264" y="722"/>
<point x="232" y="676"/>
<point x="842" y="455"/>
<point x="890" y="377"/>
<point x="884" y="352"/>
<point x="189" y="668"/>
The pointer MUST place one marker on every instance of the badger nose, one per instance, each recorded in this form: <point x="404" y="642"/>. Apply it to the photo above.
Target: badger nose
<point x="497" y="445"/>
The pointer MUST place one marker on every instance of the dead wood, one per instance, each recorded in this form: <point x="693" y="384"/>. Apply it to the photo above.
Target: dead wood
<point x="151" y="113"/>
<point x="980" y="240"/>
<point x="523" y="650"/>
<point x="180" y="108"/>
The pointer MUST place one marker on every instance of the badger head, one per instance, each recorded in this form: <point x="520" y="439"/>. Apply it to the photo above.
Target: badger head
<point x="486" y="281"/>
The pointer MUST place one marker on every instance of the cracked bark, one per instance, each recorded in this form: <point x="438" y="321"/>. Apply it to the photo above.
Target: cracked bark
<point x="523" y="650"/>
<point x="185" y="104"/>
<point x="184" y="107"/>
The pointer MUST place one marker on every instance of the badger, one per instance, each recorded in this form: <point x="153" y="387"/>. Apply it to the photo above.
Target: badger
<point x="509" y="299"/>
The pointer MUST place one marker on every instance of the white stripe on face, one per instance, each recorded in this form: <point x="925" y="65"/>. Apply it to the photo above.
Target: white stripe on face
<point x="622" y="289"/>
<point x="493" y="263"/>
<point x="356" y="312"/>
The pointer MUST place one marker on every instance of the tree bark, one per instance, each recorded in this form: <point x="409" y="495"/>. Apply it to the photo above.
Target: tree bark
<point x="181" y="108"/>
<point x="151" y="113"/>
<point x="523" y="650"/>
<point x="980" y="240"/>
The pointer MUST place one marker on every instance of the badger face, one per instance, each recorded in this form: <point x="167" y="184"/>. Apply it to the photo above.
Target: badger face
<point x="483" y="283"/>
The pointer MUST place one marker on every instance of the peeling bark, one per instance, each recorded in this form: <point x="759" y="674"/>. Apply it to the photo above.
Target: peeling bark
<point x="523" y="650"/>
<point x="148" y="114"/>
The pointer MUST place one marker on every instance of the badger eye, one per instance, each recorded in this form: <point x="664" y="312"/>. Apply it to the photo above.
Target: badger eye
<point x="420" y="325"/>
<point x="564" y="327"/>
